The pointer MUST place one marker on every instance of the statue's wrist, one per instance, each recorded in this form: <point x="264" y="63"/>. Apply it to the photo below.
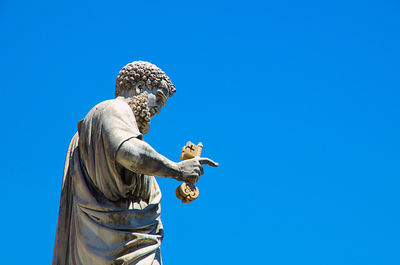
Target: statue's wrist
<point x="179" y="175"/>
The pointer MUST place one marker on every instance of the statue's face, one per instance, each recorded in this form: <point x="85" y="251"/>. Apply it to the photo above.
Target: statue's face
<point x="157" y="97"/>
<point x="147" y="104"/>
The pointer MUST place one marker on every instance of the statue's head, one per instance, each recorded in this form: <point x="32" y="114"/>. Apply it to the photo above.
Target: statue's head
<point x="146" y="88"/>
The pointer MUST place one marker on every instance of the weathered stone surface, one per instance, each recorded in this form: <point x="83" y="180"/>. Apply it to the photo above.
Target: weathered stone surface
<point x="110" y="201"/>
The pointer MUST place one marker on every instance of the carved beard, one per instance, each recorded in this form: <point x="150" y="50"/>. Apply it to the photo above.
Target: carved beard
<point x="140" y="108"/>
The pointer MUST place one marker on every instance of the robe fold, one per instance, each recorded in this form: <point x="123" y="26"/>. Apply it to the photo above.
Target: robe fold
<point x="108" y="214"/>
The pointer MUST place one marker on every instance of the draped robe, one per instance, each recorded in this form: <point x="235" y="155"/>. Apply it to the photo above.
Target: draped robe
<point x="108" y="214"/>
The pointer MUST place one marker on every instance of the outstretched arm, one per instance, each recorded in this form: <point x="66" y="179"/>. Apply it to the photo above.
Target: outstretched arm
<point x="139" y="156"/>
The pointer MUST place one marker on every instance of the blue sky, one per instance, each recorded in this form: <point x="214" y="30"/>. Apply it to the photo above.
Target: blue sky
<point x="297" y="100"/>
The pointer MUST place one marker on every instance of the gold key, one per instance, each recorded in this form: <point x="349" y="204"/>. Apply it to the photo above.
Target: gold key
<point x="188" y="192"/>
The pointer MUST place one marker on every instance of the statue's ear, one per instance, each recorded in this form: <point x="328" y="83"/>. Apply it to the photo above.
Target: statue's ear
<point x="137" y="90"/>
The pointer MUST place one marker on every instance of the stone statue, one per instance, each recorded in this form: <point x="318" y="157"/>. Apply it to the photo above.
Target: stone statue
<point x="110" y="201"/>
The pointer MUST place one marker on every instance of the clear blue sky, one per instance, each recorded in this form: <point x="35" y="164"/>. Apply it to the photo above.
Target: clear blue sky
<point x="297" y="100"/>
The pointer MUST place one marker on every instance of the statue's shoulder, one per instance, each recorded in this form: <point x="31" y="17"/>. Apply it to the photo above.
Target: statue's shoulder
<point x="111" y="103"/>
<point x="110" y="106"/>
<point x="107" y="113"/>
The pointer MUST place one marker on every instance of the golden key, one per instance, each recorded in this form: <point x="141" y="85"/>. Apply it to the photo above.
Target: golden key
<point x="187" y="192"/>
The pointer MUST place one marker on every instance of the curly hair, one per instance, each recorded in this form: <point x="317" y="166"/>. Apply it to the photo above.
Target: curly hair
<point x="139" y="74"/>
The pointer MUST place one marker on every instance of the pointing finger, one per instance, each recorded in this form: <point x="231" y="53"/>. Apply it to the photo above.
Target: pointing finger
<point x="207" y="161"/>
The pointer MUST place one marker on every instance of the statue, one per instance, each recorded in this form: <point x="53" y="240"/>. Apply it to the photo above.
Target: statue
<point x="110" y="201"/>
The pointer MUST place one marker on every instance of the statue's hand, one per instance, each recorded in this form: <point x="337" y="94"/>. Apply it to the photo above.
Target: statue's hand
<point x="191" y="169"/>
